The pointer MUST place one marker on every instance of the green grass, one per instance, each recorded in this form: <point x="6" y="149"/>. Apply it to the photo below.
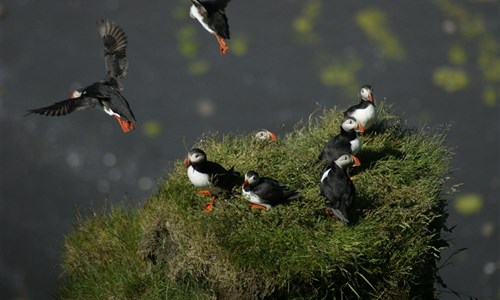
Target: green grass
<point x="170" y="249"/>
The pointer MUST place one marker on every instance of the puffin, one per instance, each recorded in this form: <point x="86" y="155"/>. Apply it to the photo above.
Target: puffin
<point x="212" y="16"/>
<point x="265" y="135"/>
<point x="203" y="173"/>
<point x="337" y="188"/>
<point x="106" y="93"/>
<point x="364" y="112"/>
<point x="265" y="192"/>
<point x="346" y="142"/>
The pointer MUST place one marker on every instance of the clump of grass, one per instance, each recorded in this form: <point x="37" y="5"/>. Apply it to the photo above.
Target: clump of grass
<point x="290" y="251"/>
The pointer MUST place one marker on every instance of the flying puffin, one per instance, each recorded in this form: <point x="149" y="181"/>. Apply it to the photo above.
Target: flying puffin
<point x="212" y="16"/>
<point x="266" y="135"/>
<point x="346" y="142"/>
<point x="364" y="112"/>
<point x="264" y="192"/>
<point x="207" y="174"/>
<point x="104" y="94"/>
<point x="337" y="187"/>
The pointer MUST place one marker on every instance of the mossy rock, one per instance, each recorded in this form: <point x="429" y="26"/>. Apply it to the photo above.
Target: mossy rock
<point x="170" y="248"/>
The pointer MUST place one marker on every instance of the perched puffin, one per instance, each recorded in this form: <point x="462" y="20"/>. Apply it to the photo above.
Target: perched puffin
<point x="104" y="94"/>
<point x="265" y="192"/>
<point x="364" y="112"/>
<point x="346" y="142"/>
<point x="211" y="14"/>
<point x="206" y="174"/>
<point x="337" y="187"/>
<point x="266" y="135"/>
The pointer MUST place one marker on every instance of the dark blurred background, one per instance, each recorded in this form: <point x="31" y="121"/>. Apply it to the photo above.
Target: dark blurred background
<point x="436" y="63"/>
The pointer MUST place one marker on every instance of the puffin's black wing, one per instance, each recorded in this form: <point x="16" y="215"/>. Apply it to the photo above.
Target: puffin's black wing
<point x="65" y="107"/>
<point x="274" y="191"/>
<point x="115" y="48"/>
<point x="117" y="103"/>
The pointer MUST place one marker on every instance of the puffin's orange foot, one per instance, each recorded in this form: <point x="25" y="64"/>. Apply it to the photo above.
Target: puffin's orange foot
<point x="224" y="49"/>
<point x="204" y="193"/>
<point x="328" y="213"/>
<point x="257" y="206"/>
<point x="125" y="124"/>
<point x="223" y="46"/>
<point x="209" y="206"/>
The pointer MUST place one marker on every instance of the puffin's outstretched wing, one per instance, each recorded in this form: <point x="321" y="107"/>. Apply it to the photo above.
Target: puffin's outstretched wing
<point x="115" y="48"/>
<point x="65" y="107"/>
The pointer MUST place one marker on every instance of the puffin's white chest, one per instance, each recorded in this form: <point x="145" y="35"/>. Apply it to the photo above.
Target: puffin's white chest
<point x="355" y="145"/>
<point x="365" y="115"/>
<point x="325" y="174"/>
<point x="195" y="14"/>
<point x="198" y="179"/>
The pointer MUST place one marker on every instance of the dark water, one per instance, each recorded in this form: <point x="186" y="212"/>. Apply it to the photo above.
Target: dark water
<point x="286" y="58"/>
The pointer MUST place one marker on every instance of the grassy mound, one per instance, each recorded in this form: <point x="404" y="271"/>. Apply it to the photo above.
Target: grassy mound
<point x="171" y="249"/>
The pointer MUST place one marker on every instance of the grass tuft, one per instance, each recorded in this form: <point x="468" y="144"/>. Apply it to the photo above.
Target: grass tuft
<point x="171" y="249"/>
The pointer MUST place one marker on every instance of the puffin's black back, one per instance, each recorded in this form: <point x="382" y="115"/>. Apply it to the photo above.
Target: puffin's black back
<point x="337" y="146"/>
<point x="229" y="180"/>
<point x="110" y="96"/>
<point x="338" y="189"/>
<point x="273" y="191"/>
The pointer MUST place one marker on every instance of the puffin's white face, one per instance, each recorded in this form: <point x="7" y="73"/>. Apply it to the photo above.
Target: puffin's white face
<point x="366" y="94"/>
<point x="347" y="160"/>
<point x="265" y="135"/>
<point x="251" y="177"/>
<point x="75" y="94"/>
<point x="196" y="157"/>
<point x="349" y="125"/>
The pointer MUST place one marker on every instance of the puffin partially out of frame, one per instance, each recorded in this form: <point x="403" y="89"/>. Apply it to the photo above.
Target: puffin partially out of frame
<point x="212" y="16"/>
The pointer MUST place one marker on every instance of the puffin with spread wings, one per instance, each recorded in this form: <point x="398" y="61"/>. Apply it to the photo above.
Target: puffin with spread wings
<point x="105" y="94"/>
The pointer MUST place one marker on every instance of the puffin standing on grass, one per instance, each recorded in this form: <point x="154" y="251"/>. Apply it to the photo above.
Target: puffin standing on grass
<point x="346" y="142"/>
<point x="212" y="16"/>
<point x="337" y="187"/>
<point x="104" y="94"/>
<point x="264" y="192"/>
<point x="364" y="112"/>
<point x="207" y="174"/>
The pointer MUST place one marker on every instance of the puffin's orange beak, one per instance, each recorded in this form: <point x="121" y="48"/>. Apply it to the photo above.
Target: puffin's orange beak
<point x="370" y="97"/>
<point x="361" y="128"/>
<point x="357" y="162"/>
<point x="273" y="136"/>
<point x="245" y="183"/>
<point x="186" y="163"/>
